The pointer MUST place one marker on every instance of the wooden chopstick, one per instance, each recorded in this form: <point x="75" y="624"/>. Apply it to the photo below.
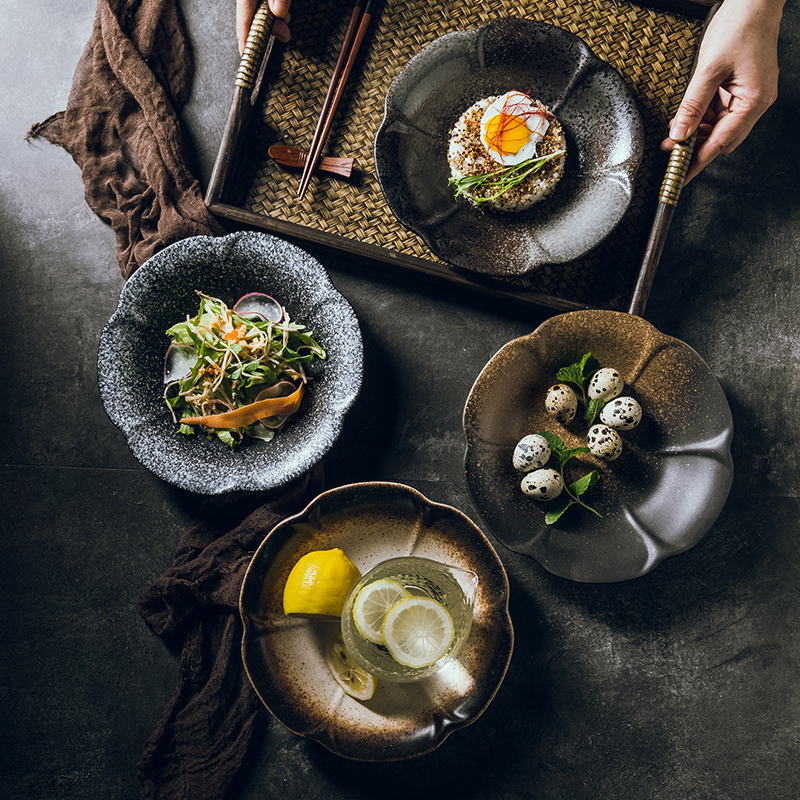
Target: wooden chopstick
<point x="353" y="39"/>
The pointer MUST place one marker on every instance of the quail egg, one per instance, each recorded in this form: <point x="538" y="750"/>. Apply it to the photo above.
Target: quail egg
<point x="606" y="384"/>
<point x="561" y="403"/>
<point x="622" y="413"/>
<point x="543" y="484"/>
<point x="604" y="442"/>
<point x="531" y="452"/>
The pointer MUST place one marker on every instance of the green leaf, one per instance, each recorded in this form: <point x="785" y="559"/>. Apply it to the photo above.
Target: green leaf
<point x="578" y="487"/>
<point x="593" y="409"/>
<point x="227" y="437"/>
<point x="557" y="447"/>
<point x="557" y="508"/>
<point x="580" y="372"/>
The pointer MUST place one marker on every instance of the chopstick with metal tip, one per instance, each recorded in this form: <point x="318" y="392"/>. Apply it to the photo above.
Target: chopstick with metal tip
<point x="671" y="187"/>
<point x="249" y="78"/>
<point x="354" y="37"/>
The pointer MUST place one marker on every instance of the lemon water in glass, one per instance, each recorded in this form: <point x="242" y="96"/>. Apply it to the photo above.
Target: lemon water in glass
<point x="404" y="587"/>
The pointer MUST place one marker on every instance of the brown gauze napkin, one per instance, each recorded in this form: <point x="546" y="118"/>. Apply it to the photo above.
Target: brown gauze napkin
<point x="213" y="719"/>
<point x="121" y="128"/>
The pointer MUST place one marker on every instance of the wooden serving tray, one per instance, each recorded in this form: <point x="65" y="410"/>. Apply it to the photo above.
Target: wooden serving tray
<point x="279" y="93"/>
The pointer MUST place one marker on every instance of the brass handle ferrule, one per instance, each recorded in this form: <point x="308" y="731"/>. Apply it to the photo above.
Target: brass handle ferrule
<point x="254" y="47"/>
<point x="677" y="168"/>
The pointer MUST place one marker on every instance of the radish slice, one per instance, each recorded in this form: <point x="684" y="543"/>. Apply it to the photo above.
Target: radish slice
<point x="178" y="362"/>
<point x="281" y="389"/>
<point x="259" y="305"/>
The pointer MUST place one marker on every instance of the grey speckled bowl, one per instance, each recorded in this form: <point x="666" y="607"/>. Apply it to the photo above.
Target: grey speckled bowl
<point x="659" y="498"/>
<point x="162" y="292"/>
<point x="284" y="656"/>
<point x="601" y="121"/>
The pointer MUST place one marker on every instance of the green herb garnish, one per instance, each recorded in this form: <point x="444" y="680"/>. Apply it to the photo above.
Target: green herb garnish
<point x="500" y="181"/>
<point x="580" y="374"/>
<point x="574" y="490"/>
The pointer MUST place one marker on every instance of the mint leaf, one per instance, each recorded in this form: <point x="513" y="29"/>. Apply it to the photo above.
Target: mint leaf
<point x="571" y="374"/>
<point x="557" y="508"/>
<point x="577" y="488"/>
<point x="593" y="409"/>
<point x="579" y="373"/>
<point x="557" y="447"/>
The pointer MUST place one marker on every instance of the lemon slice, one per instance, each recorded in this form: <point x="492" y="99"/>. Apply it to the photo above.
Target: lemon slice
<point x="371" y="605"/>
<point x="319" y="583"/>
<point x="355" y="680"/>
<point x="418" y="631"/>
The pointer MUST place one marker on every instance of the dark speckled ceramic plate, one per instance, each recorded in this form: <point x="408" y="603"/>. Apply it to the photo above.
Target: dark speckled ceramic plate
<point x="663" y="493"/>
<point x="162" y="292"/>
<point x="601" y="121"/>
<point x="284" y="656"/>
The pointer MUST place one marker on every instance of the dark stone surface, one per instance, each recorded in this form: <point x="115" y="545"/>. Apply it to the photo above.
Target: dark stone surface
<point x="681" y="684"/>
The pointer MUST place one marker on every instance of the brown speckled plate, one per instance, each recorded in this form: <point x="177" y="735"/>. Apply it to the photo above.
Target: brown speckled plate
<point x="284" y="657"/>
<point x="659" y="498"/>
<point x="590" y="98"/>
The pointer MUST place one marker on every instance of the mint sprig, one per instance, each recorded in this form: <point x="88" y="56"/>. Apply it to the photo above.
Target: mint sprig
<point x="574" y="490"/>
<point x="579" y="374"/>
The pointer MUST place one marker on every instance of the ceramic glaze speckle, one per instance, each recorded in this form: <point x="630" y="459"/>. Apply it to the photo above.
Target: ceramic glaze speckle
<point x="658" y="498"/>
<point x="162" y="292"/>
<point x="602" y="125"/>
<point x="284" y="656"/>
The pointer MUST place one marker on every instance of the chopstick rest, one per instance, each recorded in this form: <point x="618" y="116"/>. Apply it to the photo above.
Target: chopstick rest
<point x="294" y="158"/>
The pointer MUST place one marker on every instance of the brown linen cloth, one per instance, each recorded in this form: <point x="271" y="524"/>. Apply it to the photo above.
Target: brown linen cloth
<point x="121" y="128"/>
<point x="212" y="721"/>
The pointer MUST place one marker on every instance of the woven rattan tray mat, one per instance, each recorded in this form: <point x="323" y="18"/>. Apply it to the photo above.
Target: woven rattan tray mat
<point x="652" y="49"/>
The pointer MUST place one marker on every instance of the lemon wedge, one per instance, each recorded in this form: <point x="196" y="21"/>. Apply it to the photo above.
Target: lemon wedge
<point x="371" y="605"/>
<point x="355" y="680"/>
<point x="418" y="631"/>
<point x="319" y="584"/>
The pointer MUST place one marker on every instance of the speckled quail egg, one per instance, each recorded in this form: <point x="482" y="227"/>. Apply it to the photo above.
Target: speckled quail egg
<point x="561" y="402"/>
<point x="531" y="452"/>
<point x="543" y="484"/>
<point x="606" y="384"/>
<point x="622" y="413"/>
<point x="604" y="442"/>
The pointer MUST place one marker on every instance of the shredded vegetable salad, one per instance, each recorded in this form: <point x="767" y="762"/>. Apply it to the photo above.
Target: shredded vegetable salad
<point x="236" y="372"/>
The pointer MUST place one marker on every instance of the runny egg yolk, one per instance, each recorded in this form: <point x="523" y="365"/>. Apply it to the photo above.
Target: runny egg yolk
<point x="506" y="133"/>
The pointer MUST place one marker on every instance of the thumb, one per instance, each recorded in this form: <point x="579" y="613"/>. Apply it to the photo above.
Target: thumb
<point x="696" y="100"/>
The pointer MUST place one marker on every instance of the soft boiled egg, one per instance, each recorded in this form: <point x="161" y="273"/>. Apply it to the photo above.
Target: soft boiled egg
<point x="511" y="127"/>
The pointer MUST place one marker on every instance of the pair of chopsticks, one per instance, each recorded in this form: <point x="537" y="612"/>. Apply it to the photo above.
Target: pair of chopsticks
<point x="353" y="39"/>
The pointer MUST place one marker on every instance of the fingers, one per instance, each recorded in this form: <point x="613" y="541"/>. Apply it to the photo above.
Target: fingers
<point x="695" y="103"/>
<point x="280" y="28"/>
<point x="724" y="127"/>
<point x="246" y="10"/>
<point x="280" y="8"/>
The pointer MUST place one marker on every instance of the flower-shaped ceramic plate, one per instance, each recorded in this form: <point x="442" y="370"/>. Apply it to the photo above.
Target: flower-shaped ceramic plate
<point x="659" y="498"/>
<point x="162" y="292"/>
<point x="601" y="122"/>
<point x="284" y="656"/>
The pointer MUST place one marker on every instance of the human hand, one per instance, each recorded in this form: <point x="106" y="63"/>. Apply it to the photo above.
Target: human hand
<point x="734" y="83"/>
<point x="246" y="10"/>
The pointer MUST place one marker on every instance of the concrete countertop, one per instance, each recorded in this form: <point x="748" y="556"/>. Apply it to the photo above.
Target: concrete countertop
<point x="680" y="684"/>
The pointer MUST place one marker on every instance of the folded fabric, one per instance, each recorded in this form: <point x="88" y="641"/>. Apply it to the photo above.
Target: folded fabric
<point x="121" y="128"/>
<point x="213" y="719"/>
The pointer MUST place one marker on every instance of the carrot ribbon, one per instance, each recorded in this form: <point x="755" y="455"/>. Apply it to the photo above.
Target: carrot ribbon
<point x="247" y="415"/>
